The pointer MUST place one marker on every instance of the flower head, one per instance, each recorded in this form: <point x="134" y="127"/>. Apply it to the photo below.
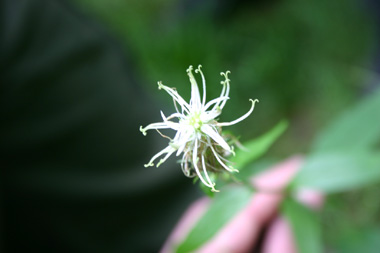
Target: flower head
<point x="198" y="135"/>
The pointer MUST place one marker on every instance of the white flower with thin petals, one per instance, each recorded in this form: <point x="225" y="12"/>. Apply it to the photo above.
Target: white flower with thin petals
<point x="198" y="134"/>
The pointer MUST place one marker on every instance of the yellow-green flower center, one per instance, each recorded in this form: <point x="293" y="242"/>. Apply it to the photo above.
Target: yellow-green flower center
<point x="195" y="121"/>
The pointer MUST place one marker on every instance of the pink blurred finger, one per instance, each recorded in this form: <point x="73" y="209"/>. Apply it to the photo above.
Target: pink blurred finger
<point x="240" y="234"/>
<point x="186" y="223"/>
<point x="279" y="176"/>
<point x="279" y="237"/>
<point x="310" y="198"/>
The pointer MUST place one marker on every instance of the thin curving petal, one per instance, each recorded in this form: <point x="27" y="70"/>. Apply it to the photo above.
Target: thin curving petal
<point x="242" y="117"/>
<point x="215" y="136"/>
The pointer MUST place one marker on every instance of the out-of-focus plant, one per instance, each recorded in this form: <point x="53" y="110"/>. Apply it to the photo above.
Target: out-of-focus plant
<point x="305" y="61"/>
<point x="303" y="57"/>
<point x="345" y="156"/>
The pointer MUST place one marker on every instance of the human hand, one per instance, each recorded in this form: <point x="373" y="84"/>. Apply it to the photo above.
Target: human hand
<point x="242" y="232"/>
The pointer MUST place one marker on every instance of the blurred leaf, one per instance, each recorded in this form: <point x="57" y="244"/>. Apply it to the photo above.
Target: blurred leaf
<point x="357" y="128"/>
<point x="224" y="206"/>
<point x="305" y="225"/>
<point x="360" y="240"/>
<point x="254" y="168"/>
<point x="339" y="171"/>
<point x="257" y="147"/>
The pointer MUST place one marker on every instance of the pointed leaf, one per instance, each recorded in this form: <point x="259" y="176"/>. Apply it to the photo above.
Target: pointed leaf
<point x="357" y="128"/>
<point x="257" y="147"/>
<point x="224" y="206"/>
<point x="305" y="226"/>
<point x="339" y="171"/>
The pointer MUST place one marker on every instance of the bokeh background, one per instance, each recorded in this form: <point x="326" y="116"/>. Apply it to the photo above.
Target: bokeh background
<point x="305" y="61"/>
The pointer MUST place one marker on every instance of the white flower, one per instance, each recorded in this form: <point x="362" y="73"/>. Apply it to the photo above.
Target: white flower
<point x="198" y="134"/>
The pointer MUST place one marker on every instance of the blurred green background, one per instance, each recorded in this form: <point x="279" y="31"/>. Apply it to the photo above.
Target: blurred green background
<point x="305" y="61"/>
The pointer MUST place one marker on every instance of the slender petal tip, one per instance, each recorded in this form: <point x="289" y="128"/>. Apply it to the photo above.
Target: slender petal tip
<point x="242" y="117"/>
<point x="225" y="74"/>
<point x="148" y="165"/>
<point x="198" y="69"/>
<point x="233" y="151"/>
<point x="160" y="85"/>
<point x="214" y="190"/>
<point x="254" y="101"/>
<point x="142" y="130"/>
<point x="160" y="162"/>
<point x="189" y="69"/>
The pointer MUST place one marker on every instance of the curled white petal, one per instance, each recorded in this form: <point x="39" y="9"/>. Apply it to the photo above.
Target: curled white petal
<point x="242" y="117"/>
<point x="227" y="84"/>
<point x="207" y="176"/>
<point x="215" y="136"/>
<point x="198" y="70"/>
<point x="185" y="164"/>
<point x="221" y="162"/>
<point x="211" y="115"/>
<point x="195" y="164"/>
<point x="215" y="101"/>
<point x="169" y="150"/>
<point x="195" y="101"/>
<point x="185" y="106"/>
<point x="182" y="141"/>
<point x="160" y="125"/>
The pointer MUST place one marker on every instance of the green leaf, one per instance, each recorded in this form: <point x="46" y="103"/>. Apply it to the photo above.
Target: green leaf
<point x="357" y="128"/>
<point x="257" y="147"/>
<point x="305" y="226"/>
<point x="224" y="206"/>
<point x="339" y="171"/>
<point x="254" y="168"/>
<point x="365" y="239"/>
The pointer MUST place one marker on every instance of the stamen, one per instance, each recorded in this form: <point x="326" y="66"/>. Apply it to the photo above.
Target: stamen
<point x="175" y="106"/>
<point x="167" y="137"/>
